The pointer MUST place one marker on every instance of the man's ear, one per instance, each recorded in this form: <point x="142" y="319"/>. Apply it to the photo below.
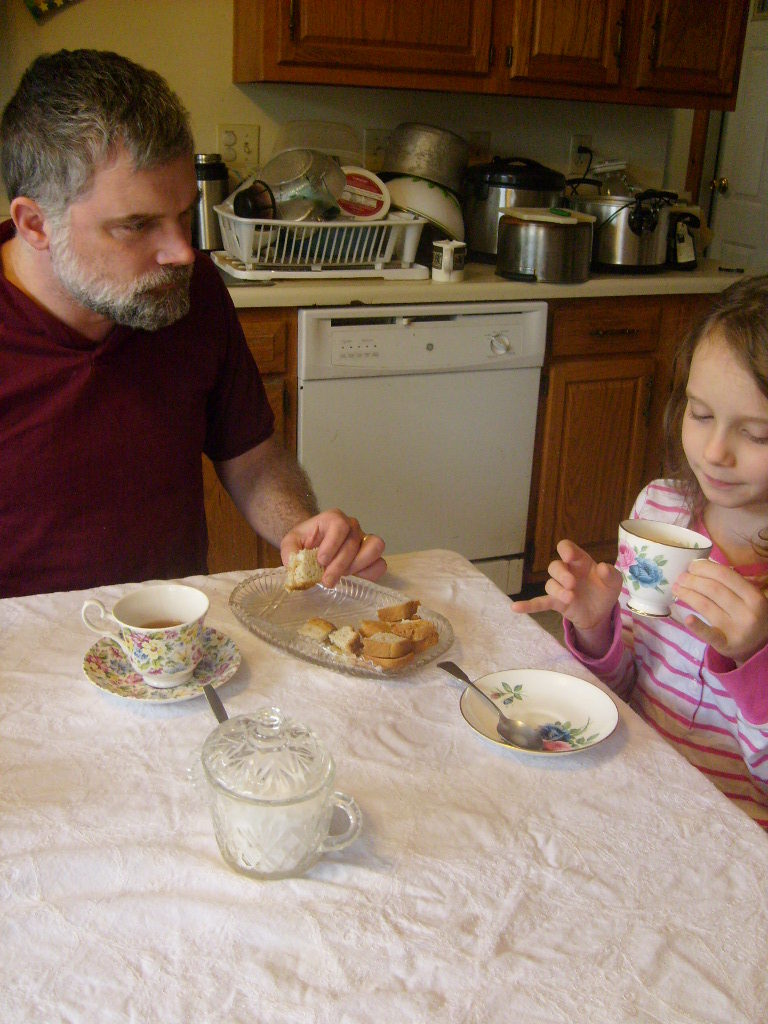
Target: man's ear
<point x="30" y="222"/>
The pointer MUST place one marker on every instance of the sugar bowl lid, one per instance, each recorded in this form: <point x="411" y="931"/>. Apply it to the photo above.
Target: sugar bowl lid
<point x="265" y="757"/>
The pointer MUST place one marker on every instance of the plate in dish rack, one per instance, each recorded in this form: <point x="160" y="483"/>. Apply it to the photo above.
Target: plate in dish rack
<point x="262" y="603"/>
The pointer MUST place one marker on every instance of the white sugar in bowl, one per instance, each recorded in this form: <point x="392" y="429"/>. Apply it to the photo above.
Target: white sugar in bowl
<point x="271" y="795"/>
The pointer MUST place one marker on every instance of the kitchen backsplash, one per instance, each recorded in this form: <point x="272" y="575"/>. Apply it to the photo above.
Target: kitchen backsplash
<point x="193" y="52"/>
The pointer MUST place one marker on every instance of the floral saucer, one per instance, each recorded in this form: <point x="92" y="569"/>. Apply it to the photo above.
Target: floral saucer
<point x="571" y="713"/>
<point x="106" y="666"/>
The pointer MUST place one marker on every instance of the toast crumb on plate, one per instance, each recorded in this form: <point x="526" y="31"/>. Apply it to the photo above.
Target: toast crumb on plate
<point x="304" y="570"/>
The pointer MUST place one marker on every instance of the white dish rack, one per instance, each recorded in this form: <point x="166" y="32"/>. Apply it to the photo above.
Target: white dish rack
<point x="262" y="249"/>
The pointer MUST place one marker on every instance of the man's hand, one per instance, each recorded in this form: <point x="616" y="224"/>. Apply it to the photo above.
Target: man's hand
<point x="342" y="547"/>
<point x="735" y="610"/>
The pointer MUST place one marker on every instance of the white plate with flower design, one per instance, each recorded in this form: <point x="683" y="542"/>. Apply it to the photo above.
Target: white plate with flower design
<point x="572" y="714"/>
<point x="106" y="666"/>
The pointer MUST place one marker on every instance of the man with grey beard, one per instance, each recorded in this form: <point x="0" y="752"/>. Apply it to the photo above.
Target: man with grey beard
<point x="121" y="357"/>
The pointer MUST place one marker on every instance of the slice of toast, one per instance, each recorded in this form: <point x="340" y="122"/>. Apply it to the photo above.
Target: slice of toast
<point x="391" y="663"/>
<point x="316" y="629"/>
<point x="304" y="570"/>
<point x="370" y="626"/>
<point x="386" y="645"/>
<point x="395" y="612"/>
<point x="346" y="639"/>
<point x="414" y="629"/>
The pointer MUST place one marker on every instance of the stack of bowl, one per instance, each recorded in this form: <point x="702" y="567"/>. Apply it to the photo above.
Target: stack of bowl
<point x="424" y="168"/>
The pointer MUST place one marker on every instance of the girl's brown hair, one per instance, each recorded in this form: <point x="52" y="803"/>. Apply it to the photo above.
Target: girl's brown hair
<point x="739" y="317"/>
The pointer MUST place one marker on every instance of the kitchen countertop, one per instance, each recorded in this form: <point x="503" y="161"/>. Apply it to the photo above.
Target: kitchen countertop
<point x="480" y="284"/>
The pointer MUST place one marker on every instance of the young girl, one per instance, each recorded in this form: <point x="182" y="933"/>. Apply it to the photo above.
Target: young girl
<point x="702" y="684"/>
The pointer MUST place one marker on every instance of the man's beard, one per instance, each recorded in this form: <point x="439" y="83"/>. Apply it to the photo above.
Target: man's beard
<point x="146" y="304"/>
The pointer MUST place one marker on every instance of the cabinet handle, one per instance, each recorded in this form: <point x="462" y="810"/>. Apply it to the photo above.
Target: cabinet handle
<point x="606" y="332"/>
<point x="619" y="39"/>
<point x="656" y="30"/>
<point x="292" y="20"/>
<point x="648" y="400"/>
<point x="509" y="54"/>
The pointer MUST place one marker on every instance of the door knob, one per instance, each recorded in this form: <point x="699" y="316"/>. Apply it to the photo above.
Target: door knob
<point x="719" y="185"/>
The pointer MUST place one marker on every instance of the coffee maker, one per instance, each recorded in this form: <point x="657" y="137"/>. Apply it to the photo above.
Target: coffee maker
<point x="681" y="244"/>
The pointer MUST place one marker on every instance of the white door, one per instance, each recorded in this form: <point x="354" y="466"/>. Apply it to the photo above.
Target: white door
<point x="739" y="218"/>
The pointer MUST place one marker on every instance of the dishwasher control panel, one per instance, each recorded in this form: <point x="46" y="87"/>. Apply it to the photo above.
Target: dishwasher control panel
<point x="425" y="339"/>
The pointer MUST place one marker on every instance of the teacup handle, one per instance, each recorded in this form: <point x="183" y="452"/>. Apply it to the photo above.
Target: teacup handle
<point x="349" y="807"/>
<point x="102" y="627"/>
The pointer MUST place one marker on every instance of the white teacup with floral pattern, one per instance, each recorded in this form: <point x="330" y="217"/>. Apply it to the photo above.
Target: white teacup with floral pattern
<point x="651" y="557"/>
<point x="158" y="627"/>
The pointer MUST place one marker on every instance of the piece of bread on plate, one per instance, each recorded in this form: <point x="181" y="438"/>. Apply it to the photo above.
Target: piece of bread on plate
<point x="346" y="639"/>
<point x="386" y="645"/>
<point x="304" y="570"/>
<point x="316" y="629"/>
<point x="414" y="629"/>
<point x="370" y="626"/>
<point x="391" y="663"/>
<point x="395" y="612"/>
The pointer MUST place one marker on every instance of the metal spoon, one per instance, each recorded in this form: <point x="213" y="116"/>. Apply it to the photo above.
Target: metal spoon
<point x="215" y="701"/>
<point x="512" y="731"/>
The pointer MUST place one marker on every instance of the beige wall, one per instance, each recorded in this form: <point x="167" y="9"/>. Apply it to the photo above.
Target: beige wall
<point x="190" y="43"/>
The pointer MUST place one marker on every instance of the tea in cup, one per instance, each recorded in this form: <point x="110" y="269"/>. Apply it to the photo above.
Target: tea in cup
<point x="159" y="628"/>
<point x="651" y="558"/>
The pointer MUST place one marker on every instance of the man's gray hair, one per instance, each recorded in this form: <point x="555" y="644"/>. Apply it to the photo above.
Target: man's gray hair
<point x="72" y="111"/>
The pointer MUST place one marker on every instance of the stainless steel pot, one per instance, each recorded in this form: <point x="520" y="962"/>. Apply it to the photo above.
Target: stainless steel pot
<point x="427" y="152"/>
<point x="630" y="231"/>
<point x="541" y="245"/>
<point x="491" y="188"/>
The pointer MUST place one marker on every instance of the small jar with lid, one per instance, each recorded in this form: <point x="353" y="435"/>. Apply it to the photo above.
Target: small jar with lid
<point x="270" y="785"/>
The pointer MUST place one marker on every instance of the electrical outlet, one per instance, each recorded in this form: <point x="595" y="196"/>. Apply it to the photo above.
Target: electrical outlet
<point x="578" y="162"/>
<point x="239" y="147"/>
<point x="375" y="142"/>
<point x="479" y="147"/>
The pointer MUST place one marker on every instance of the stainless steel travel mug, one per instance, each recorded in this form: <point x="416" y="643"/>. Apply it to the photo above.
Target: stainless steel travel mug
<point x="213" y="188"/>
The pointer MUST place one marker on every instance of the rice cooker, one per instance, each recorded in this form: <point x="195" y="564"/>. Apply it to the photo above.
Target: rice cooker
<point x="489" y="189"/>
<point x="631" y="229"/>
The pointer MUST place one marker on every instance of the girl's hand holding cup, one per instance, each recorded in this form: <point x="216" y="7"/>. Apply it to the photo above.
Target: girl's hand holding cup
<point x="736" y="612"/>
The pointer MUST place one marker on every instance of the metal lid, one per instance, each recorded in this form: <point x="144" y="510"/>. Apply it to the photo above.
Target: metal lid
<point x="516" y="172"/>
<point x="207" y="158"/>
<point x="265" y="757"/>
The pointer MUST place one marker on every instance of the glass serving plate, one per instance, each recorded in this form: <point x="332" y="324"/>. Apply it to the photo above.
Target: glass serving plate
<point x="262" y="603"/>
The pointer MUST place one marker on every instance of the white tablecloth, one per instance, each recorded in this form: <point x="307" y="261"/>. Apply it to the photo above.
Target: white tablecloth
<point x="609" y="886"/>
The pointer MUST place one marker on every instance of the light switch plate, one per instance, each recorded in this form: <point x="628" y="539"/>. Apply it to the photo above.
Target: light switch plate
<point x="375" y="142"/>
<point x="239" y="147"/>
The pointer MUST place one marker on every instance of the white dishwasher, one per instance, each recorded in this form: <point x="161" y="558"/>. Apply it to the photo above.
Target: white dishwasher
<point x="420" y="421"/>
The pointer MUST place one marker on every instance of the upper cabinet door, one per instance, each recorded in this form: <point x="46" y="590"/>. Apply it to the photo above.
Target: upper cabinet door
<point x="376" y="36"/>
<point x="573" y="41"/>
<point x="690" y="45"/>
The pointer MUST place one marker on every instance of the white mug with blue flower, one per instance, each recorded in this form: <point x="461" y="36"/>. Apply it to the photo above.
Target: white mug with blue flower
<point x="651" y="558"/>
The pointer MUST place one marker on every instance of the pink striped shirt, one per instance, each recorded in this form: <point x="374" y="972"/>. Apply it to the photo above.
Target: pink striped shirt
<point x="714" y="712"/>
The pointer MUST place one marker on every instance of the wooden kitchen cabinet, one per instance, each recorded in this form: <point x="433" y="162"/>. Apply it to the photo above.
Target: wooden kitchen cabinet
<point x="689" y="45"/>
<point x="271" y="337"/>
<point x="653" y="51"/>
<point x="345" y="42"/>
<point x="576" y="42"/>
<point x="600" y="428"/>
<point x="685" y="53"/>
